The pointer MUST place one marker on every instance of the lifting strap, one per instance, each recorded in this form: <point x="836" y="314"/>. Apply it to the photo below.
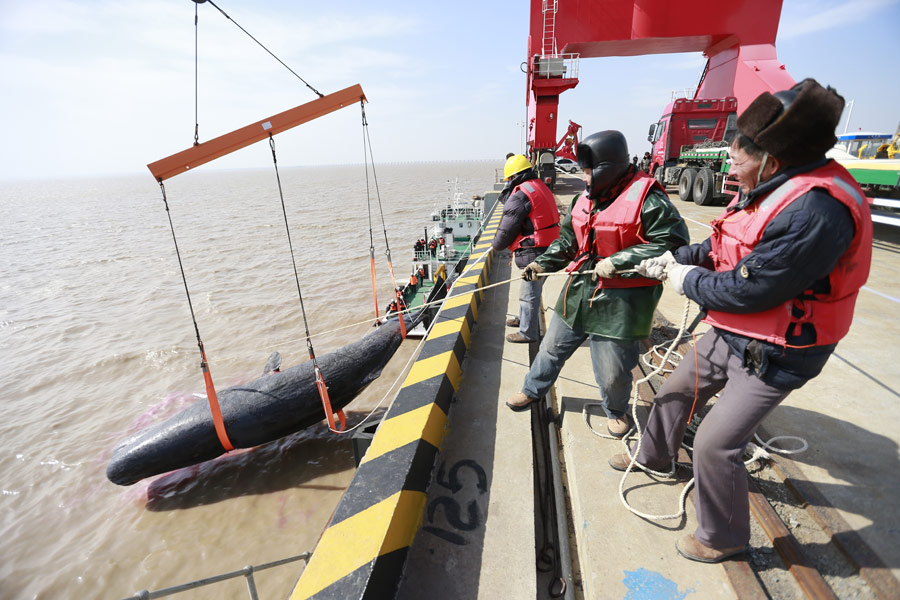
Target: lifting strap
<point x="367" y="153"/>
<point x="212" y="399"/>
<point x="320" y="379"/>
<point x="201" y="153"/>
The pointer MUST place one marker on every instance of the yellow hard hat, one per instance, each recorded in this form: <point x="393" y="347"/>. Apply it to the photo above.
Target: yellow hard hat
<point x="515" y="164"/>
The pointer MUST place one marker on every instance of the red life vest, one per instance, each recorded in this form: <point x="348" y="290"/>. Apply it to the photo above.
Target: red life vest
<point x="544" y="215"/>
<point x="736" y="234"/>
<point x="616" y="227"/>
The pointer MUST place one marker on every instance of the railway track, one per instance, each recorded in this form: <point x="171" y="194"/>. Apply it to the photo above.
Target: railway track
<point x="801" y="547"/>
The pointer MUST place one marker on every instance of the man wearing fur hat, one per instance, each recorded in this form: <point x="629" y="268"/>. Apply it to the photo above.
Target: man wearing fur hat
<point x="778" y="278"/>
<point x="623" y="217"/>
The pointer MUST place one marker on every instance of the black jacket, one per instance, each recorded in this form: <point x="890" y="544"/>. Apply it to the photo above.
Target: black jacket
<point x="797" y="251"/>
<point x="515" y="221"/>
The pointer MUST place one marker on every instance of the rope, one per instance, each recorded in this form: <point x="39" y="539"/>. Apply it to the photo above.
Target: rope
<point x="319" y="94"/>
<point x="212" y="399"/>
<point x="369" y="208"/>
<point x="196" y="87"/>
<point x="387" y="247"/>
<point x="320" y="380"/>
<point x="758" y="452"/>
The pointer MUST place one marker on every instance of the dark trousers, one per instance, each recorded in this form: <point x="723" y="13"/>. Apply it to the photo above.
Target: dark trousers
<point x="723" y="510"/>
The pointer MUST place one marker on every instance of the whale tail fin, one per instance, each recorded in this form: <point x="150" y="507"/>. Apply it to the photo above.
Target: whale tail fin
<point x="273" y="365"/>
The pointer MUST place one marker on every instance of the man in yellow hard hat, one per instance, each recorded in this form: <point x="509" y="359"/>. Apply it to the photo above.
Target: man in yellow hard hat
<point x="530" y="223"/>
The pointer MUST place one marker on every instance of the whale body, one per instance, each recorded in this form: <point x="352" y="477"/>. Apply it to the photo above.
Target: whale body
<point x="273" y="406"/>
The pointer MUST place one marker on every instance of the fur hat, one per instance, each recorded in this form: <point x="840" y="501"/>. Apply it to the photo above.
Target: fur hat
<point x="795" y="126"/>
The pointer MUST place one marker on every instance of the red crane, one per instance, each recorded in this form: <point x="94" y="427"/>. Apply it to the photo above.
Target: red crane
<point x="565" y="147"/>
<point x="738" y="38"/>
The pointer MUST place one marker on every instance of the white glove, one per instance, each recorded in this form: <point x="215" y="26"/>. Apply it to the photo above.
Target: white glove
<point x="676" y="274"/>
<point x="530" y="273"/>
<point x="604" y="269"/>
<point x="657" y="267"/>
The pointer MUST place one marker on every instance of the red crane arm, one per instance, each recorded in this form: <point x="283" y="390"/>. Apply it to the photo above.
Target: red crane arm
<point x="738" y="37"/>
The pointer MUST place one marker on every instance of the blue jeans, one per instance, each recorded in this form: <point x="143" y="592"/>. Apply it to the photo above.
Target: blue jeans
<point x="530" y="308"/>
<point x="611" y="359"/>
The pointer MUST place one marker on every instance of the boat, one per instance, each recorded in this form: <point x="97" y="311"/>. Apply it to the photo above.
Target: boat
<point x="874" y="161"/>
<point x="440" y="256"/>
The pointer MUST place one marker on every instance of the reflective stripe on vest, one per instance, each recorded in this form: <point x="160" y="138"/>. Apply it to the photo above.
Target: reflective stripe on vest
<point x="544" y="215"/>
<point x="735" y="235"/>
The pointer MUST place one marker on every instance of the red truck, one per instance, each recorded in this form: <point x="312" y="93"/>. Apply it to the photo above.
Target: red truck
<point x="689" y="148"/>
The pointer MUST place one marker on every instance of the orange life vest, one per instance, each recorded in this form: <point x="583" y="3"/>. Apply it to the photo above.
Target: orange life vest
<point x="544" y="215"/>
<point x="615" y="228"/>
<point x="735" y="234"/>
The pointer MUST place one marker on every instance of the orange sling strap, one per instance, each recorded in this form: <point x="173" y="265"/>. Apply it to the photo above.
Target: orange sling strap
<point x="202" y="153"/>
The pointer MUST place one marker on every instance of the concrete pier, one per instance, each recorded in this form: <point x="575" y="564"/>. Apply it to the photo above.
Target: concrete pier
<point x="848" y="475"/>
<point x="474" y="529"/>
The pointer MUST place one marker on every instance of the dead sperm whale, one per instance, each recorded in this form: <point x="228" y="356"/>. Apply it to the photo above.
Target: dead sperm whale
<point x="273" y="406"/>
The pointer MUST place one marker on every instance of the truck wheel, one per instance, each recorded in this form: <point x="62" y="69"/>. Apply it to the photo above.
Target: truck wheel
<point x="686" y="184"/>
<point x="704" y="187"/>
<point x="660" y="175"/>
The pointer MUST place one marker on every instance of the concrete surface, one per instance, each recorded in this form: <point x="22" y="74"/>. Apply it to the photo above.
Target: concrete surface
<point x="620" y="554"/>
<point x="481" y="531"/>
<point x="848" y="415"/>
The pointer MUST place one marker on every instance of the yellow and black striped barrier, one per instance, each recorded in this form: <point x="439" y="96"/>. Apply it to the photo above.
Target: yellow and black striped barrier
<point x="362" y="551"/>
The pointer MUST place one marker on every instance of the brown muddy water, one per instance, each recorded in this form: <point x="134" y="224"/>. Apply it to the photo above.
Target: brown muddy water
<point x="96" y="342"/>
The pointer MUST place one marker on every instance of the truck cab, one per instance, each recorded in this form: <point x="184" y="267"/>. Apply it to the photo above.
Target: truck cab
<point x="687" y="122"/>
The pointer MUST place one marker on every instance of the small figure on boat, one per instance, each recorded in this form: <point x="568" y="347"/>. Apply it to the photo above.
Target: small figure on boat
<point x="779" y="278"/>
<point x="623" y="217"/>
<point x="529" y="224"/>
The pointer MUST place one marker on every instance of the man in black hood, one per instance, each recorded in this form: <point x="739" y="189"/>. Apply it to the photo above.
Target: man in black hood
<point x="623" y="217"/>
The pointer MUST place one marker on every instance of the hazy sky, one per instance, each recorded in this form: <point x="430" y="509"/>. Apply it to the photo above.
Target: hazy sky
<point x="104" y="87"/>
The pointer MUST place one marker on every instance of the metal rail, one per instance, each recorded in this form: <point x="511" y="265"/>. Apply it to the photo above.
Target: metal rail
<point x="247" y="572"/>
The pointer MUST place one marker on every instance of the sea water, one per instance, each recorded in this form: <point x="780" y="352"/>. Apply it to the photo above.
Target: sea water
<point x="97" y="341"/>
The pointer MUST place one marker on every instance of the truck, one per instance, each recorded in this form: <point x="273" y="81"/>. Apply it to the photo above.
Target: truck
<point x="690" y="148"/>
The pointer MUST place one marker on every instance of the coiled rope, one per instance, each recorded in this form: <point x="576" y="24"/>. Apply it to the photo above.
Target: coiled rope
<point x="760" y="451"/>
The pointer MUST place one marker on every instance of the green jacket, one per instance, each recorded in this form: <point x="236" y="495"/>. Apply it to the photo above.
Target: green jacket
<point x="621" y="313"/>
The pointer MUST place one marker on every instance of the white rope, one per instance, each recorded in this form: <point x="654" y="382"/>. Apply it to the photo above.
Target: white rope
<point x="637" y="428"/>
<point x="760" y="451"/>
<point x="403" y="373"/>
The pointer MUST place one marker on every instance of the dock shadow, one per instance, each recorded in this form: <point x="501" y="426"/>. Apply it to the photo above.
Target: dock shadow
<point x="867" y="469"/>
<point x="288" y="462"/>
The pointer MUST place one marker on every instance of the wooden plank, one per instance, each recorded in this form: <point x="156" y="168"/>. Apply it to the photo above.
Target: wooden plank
<point x="230" y="142"/>
<point x="809" y="580"/>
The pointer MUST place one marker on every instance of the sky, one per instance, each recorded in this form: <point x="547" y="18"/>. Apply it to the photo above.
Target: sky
<point x="100" y="87"/>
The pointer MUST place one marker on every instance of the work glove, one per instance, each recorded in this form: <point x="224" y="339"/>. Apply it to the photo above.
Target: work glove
<point x="676" y="274"/>
<point x="657" y="267"/>
<point x="530" y="273"/>
<point x="604" y="269"/>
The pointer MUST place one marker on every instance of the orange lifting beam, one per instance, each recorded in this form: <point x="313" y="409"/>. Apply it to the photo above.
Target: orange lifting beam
<point x="241" y="138"/>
